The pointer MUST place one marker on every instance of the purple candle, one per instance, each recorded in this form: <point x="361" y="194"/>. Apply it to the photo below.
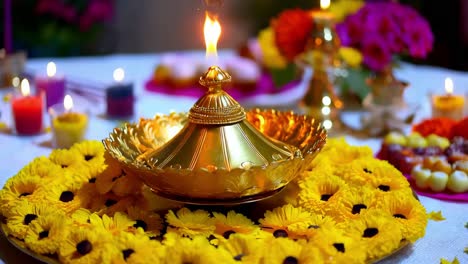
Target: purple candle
<point x="119" y="97"/>
<point x="8" y="45"/>
<point x="51" y="85"/>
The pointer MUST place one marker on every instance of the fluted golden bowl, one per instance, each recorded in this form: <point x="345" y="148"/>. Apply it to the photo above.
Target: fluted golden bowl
<point x="216" y="185"/>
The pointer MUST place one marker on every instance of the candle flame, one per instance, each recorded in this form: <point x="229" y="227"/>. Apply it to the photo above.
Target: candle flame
<point x="25" y="90"/>
<point x="448" y="85"/>
<point x="324" y="4"/>
<point x="51" y="69"/>
<point x="212" y="31"/>
<point x="68" y="102"/>
<point x="119" y="74"/>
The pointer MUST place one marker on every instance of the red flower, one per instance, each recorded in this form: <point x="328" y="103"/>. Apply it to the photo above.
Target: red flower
<point x="292" y="29"/>
<point x="440" y="126"/>
<point x="460" y="129"/>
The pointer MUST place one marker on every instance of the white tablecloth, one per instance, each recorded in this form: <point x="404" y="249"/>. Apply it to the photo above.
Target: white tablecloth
<point x="445" y="239"/>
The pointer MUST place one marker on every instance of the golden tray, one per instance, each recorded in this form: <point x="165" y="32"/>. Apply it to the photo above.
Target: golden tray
<point x="216" y="186"/>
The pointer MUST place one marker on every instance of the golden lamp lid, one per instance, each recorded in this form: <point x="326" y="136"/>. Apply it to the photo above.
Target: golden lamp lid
<point x="218" y="136"/>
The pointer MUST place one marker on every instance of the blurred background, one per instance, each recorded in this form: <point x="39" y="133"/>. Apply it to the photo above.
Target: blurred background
<point x="46" y="28"/>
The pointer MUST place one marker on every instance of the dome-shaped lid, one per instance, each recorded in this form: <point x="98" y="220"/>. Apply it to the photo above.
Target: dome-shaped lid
<point x="218" y="136"/>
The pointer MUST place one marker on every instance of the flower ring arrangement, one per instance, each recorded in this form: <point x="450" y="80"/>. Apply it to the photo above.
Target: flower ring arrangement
<point x="80" y="206"/>
<point x="383" y="32"/>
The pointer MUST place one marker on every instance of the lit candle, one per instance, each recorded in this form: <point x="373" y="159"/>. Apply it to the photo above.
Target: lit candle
<point x="323" y="13"/>
<point x="448" y="105"/>
<point x="119" y="96"/>
<point x="52" y="86"/>
<point x="27" y="111"/>
<point x="68" y="125"/>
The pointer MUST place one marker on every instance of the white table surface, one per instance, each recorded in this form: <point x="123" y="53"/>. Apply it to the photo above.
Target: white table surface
<point x="446" y="239"/>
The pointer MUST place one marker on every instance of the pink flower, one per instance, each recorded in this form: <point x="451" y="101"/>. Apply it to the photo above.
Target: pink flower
<point x="376" y="52"/>
<point x="419" y="39"/>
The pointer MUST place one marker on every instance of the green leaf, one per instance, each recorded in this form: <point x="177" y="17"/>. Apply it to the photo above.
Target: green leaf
<point x="283" y="76"/>
<point x="355" y="82"/>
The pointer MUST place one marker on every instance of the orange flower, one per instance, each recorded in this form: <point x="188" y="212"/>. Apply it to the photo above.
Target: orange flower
<point x="292" y="28"/>
<point x="440" y="126"/>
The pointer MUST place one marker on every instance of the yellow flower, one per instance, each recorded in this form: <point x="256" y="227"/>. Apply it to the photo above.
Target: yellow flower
<point x="339" y="247"/>
<point x="243" y="248"/>
<point x="136" y="249"/>
<point x="309" y="229"/>
<point x="23" y="214"/>
<point x="64" y="196"/>
<point x="271" y="55"/>
<point x="354" y="201"/>
<point x="338" y="151"/>
<point x="20" y="187"/>
<point x="87" y="245"/>
<point x="110" y="203"/>
<point x="45" y="234"/>
<point x="319" y="193"/>
<point x="148" y="200"/>
<point x="408" y="213"/>
<point x="42" y="167"/>
<point x="283" y="250"/>
<point x="342" y="8"/>
<point x="233" y="223"/>
<point x="188" y="223"/>
<point x="81" y="217"/>
<point x="380" y="233"/>
<point x="351" y="56"/>
<point x="148" y="221"/>
<point x="436" y="216"/>
<point x="92" y="155"/>
<point x="279" y="220"/>
<point x="196" y="251"/>
<point x="445" y="261"/>
<point x="113" y="225"/>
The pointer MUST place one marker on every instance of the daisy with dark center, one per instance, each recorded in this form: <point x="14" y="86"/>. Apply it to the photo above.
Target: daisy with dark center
<point x="113" y="225"/>
<point x="92" y="153"/>
<point x="126" y="184"/>
<point x="137" y="248"/>
<point x="353" y="202"/>
<point x="408" y="213"/>
<point x="67" y="159"/>
<point x="233" y="223"/>
<point x="149" y="222"/>
<point x="81" y="217"/>
<point x="243" y="248"/>
<point x="19" y="187"/>
<point x="379" y="233"/>
<point x="196" y="251"/>
<point x="63" y="195"/>
<point x="339" y="152"/>
<point x="320" y="193"/>
<point x="338" y="246"/>
<point x="87" y="245"/>
<point x="280" y="219"/>
<point x="287" y="251"/>
<point x="309" y="228"/>
<point x="45" y="234"/>
<point x="23" y="214"/>
<point x="110" y="203"/>
<point x="187" y="223"/>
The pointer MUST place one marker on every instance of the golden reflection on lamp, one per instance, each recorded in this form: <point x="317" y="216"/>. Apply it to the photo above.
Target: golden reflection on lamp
<point x="448" y="105"/>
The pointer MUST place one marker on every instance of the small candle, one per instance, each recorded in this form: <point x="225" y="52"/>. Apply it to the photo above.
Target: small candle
<point x="323" y="14"/>
<point x="119" y="96"/>
<point x="52" y="85"/>
<point x="68" y="126"/>
<point x="448" y="105"/>
<point x="27" y="111"/>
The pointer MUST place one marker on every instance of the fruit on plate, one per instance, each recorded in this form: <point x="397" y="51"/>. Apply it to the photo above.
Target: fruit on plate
<point x="421" y="176"/>
<point x="438" y="181"/>
<point x="458" y="182"/>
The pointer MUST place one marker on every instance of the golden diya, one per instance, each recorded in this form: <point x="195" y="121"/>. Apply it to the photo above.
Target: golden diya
<point x="217" y="153"/>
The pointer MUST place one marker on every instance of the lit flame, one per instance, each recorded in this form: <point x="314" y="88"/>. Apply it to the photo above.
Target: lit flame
<point x="51" y="69"/>
<point x="212" y="31"/>
<point x="119" y="74"/>
<point x="25" y="90"/>
<point x="324" y="4"/>
<point x="68" y="102"/>
<point x="448" y="85"/>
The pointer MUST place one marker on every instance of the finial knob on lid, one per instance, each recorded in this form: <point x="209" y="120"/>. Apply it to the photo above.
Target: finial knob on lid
<point x="216" y="107"/>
